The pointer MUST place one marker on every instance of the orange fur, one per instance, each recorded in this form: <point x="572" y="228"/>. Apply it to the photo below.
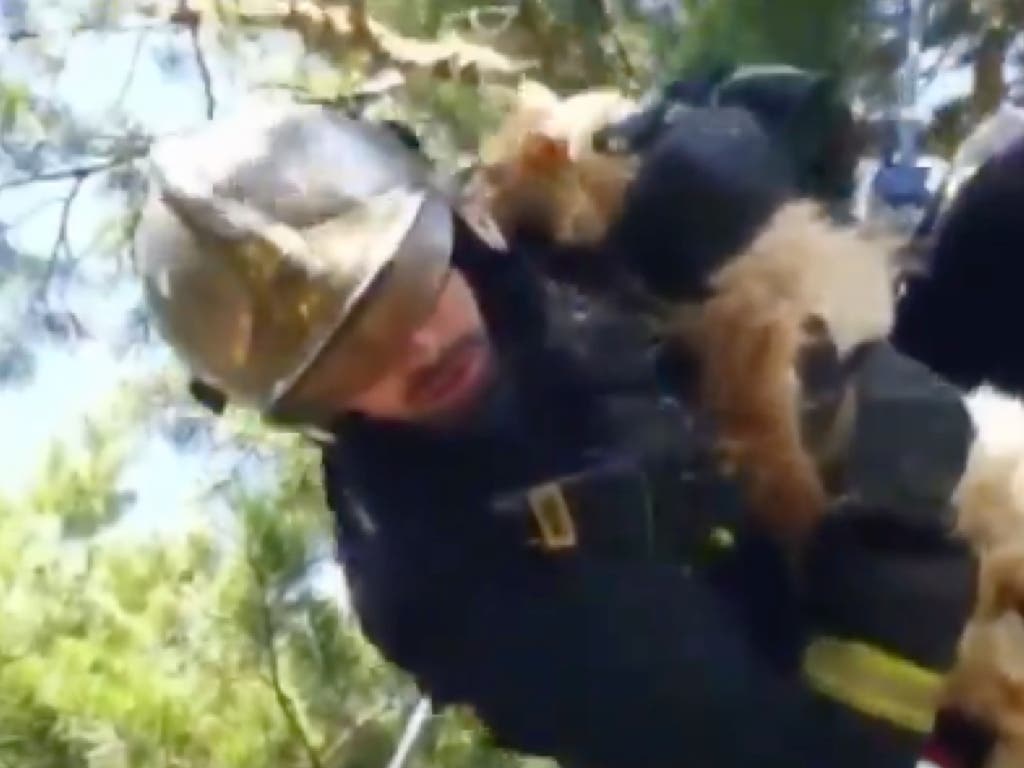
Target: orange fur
<point x="749" y="335"/>
<point x="988" y="679"/>
<point x="748" y="338"/>
<point x="538" y="171"/>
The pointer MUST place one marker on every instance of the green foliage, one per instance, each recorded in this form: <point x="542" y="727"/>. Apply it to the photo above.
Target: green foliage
<point x="82" y="494"/>
<point x="817" y="34"/>
<point x="14" y="100"/>
<point x="191" y="649"/>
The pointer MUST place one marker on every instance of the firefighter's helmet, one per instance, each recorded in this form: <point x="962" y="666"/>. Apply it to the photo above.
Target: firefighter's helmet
<point x="278" y="230"/>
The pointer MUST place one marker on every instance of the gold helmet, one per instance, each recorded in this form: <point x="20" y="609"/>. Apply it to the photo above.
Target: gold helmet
<point x="283" y="228"/>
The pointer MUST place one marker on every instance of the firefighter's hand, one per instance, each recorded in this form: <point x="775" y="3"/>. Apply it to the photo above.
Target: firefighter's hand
<point x="804" y="111"/>
<point x="702" y="193"/>
<point x="906" y="594"/>
<point x="905" y="589"/>
<point x="891" y="434"/>
<point x="636" y="133"/>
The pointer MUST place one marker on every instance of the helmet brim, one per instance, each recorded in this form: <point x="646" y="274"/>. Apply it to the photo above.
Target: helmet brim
<point x="403" y="276"/>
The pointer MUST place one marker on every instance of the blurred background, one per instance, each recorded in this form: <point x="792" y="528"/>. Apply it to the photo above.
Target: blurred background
<point x="167" y="588"/>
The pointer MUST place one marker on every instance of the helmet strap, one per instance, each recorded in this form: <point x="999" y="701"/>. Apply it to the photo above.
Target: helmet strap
<point x="208" y="396"/>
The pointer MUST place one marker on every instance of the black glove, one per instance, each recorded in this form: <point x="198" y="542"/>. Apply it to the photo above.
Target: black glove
<point x="906" y="589"/>
<point x="807" y="114"/>
<point x="886" y="431"/>
<point x="803" y="111"/>
<point x="906" y="592"/>
<point x="702" y="193"/>
<point x="910" y="438"/>
<point x="636" y="133"/>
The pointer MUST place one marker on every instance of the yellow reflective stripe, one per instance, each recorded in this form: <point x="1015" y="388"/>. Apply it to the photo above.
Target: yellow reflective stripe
<point x="722" y="538"/>
<point x="873" y="682"/>
<point x="551" y="511"/>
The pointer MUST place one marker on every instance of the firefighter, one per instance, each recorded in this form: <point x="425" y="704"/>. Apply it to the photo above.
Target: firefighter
<point x="532" y="521"/>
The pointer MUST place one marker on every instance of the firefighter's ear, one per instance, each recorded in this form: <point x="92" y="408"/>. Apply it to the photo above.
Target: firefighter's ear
<point x="545" y="154"/>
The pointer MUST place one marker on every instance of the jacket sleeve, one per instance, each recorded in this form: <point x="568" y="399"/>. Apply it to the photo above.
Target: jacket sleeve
<point x="602" y="665"/>
<point x="954" y="318"/>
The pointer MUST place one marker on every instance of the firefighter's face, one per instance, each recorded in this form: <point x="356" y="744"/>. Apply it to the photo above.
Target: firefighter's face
<point x="441" y="371"/>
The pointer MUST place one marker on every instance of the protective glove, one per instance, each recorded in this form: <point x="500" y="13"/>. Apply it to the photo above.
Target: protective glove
<point x="907" y="593"/>
<point x="806" y="112"/>
<point x="803" y="111"/>
<point x="703" y="191"/>
<point x="662" y="106"/>
<point x="889" y="434"/>
<point x="870" y="575"/>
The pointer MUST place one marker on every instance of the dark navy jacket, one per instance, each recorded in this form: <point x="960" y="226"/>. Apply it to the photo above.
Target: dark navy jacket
<point x="589" y="655"/>
<point x="961" y="316"/>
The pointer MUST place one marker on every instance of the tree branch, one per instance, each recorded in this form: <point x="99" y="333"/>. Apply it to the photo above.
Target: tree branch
<point x="337" y="30"/>
<point x="608" y="22"/>
<point x="189" y="19"/>
<point x="78" y="173"/>
<point x="61" y="241"/>
<point x="931" y="74"/>
<point x="28" y="34"/>
<point x="133" y="64"/>
<point x="65" y="215"/>
<point x="354" y="728"/>
<point x="204" y="73"/>
<point x="284" y="701"/>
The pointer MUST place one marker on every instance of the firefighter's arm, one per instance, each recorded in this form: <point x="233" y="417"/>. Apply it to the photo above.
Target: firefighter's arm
<point x="895" y="435"/>
<point x="606" y="666"/>
<point x="865" y="574"/>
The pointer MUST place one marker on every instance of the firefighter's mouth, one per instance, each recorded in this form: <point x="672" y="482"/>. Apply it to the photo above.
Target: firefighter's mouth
<point x="455" y="380"/>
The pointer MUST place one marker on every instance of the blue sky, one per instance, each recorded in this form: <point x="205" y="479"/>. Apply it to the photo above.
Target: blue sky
<point x="71" y="383"/>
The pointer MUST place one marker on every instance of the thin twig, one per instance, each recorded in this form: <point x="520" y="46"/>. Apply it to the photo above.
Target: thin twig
<point x="28" y="34"/>
<point x="936" y="69"/>
<point x="5" y="145"/>
<point x="134" y="218"/>
<point x="284" y="701"/>
<point x="61" y="241"/>
<point x="204" y="73"/>
<point x="78" y="172"/>
<point x="608" y="19"/>
<point x="189" y="18"/>
<point x="355" y="727"/>
<point x="132" y="66"/>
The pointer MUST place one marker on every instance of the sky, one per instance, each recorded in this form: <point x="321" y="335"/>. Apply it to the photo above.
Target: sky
<point x="70" y="384"/>
<point x="73" y="382"/>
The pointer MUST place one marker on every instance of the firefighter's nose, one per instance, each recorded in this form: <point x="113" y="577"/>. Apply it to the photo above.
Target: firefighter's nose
<point x="424" y="348"/>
